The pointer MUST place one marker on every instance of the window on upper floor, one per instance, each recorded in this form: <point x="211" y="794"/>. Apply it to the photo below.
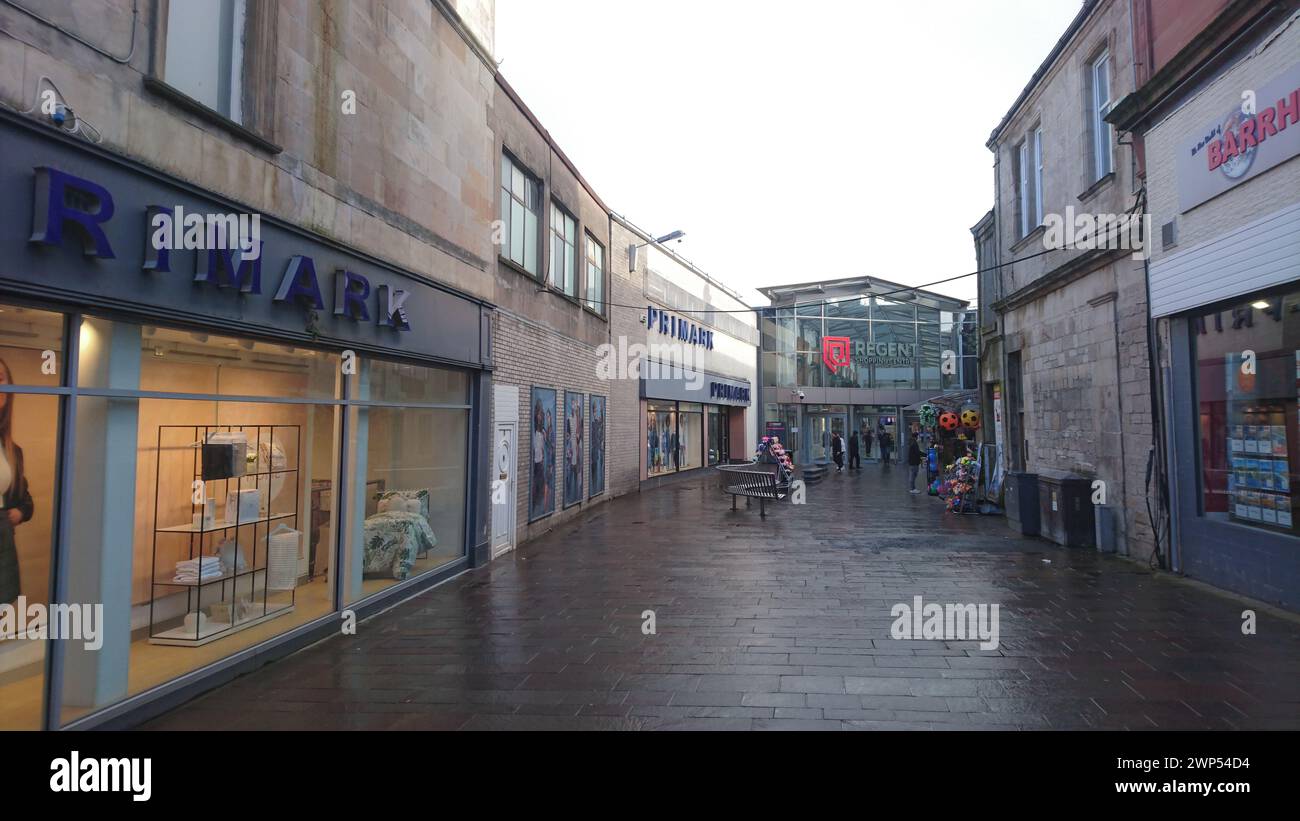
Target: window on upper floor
<point x="564" y="255"/>
<point x="595" y="288"/>
<point x="1023" y="205"/>
<point x="1038" y="176"/>
<point x="1099" y="106"/>
<point x="203" y="52"/>
<point x="521" y="207"/>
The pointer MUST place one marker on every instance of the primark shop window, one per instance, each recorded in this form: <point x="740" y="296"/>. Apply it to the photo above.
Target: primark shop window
<point x="201" y="503"/>
<point x="1247" y="381"/>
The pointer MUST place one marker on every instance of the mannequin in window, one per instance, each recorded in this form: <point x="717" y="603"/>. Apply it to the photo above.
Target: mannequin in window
<point x="16" y="497"/>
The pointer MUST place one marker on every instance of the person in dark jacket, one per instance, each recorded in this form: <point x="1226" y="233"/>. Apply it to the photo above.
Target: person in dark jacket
<point x="913" y="463"/>
<point x="17" y="498"/>
<point x="837" y="451"/>
<point x="866" y="443"/>
<point x="886" y="445"/>
<point x="855" y="461"/>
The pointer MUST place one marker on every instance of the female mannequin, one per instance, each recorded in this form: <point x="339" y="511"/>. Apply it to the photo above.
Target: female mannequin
<point x="17" y="499"/>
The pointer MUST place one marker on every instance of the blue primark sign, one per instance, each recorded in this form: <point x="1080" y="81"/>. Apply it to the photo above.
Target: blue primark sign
<point x="657" y="319"/>
<point x="77" y="225"/>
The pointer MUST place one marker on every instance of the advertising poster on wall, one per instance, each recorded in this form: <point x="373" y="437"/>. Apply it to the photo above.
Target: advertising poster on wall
<point x="597" y="485"/>
<point x="541" y="497"/>
<point x="573" y="412"/>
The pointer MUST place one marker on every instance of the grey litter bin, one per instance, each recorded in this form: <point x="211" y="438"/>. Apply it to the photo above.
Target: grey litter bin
<point x="1066" y="510"/>
<point x="1020" y="495"/>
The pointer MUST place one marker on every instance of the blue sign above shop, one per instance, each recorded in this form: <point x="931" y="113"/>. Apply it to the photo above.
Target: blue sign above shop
<point x="80" y="225"/>
<point x="657" y="319"/>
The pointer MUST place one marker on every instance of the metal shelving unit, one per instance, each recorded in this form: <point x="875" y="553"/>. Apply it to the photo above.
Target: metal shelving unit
<point x="245" y="595"/>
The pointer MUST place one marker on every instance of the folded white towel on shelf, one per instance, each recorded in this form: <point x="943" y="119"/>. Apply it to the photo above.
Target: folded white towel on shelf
<point x="203" y="568"/>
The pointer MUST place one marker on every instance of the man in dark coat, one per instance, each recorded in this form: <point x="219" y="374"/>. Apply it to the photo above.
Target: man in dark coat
<point x="855" y="461"/>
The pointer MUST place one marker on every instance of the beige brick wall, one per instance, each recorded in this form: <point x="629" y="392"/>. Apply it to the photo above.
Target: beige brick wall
<point x="529" y="354"/>
<point x="407" y="178"/>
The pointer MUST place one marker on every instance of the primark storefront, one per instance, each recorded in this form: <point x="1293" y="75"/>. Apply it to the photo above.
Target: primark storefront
<point x="853" y="354"/>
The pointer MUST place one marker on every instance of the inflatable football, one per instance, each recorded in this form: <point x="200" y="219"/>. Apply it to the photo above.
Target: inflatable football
<point x="948" y="420"/>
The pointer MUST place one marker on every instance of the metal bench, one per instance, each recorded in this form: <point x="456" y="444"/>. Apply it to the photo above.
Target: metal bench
<point x="754" y="481"/>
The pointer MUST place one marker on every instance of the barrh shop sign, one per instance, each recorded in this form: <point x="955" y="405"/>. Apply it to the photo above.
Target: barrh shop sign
<point x="1259" y="130"/>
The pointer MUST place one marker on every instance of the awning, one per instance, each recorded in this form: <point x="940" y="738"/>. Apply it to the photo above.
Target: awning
<point x="949" y="401"/>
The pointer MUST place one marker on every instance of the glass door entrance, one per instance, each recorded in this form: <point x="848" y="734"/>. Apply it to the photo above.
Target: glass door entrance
<point x="823" y="423"/>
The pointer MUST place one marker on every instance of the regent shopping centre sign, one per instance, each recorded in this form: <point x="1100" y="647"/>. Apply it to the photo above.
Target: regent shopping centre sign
<point x="1259" y="130"/>
<point x="841" y="351"/>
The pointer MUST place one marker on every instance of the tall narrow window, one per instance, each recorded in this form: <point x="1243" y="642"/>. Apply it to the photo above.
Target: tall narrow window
<point x="204" y="53"/>
<point x="595" y="290"/>
<point x="521" y="207"/>
<point x="1038" y="176"/>
<point x="1102" y="161"/>
<point x="1022" y="186"/>
<point x="564" y="233"/>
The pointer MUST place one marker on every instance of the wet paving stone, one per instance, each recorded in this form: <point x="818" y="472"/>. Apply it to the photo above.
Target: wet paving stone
<point x="783" y="623"/>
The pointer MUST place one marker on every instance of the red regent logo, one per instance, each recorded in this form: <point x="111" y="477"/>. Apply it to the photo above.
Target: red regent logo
<point x="835" y="352"/>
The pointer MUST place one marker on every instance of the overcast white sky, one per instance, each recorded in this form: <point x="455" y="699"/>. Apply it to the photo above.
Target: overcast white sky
<point x="792" y="142"/>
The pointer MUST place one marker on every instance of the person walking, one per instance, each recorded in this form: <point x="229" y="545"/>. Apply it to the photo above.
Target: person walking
<point x="837" y="451"/>
<point x="913" y="463"/>
<point x="855" y="461"/>
<point x="886" y="445"/>
<point x="866" y="441"/>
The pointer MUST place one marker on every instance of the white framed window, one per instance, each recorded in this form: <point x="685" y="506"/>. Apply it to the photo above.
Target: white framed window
<point x="1038" y="176"/>
<point x="564" y="253"/>
<point x="521" y="206"/>
<point x="204" y="53"/>
<point x="595" y="288"/>
<point x="1099" y="77"/>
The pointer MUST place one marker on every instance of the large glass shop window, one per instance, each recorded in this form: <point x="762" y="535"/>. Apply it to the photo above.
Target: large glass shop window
<point x="201" y="520"/>
<point x="206" y="495"/>
<point x="1248" y="376"/>
<point x="662" y="452"/>
<point x="408" y="471"/>
<point x="31" y="356"/>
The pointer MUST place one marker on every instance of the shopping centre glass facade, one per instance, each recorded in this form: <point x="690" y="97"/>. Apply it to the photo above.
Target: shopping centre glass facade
<point x="855" y="355"/>
<point x="892" y="345"/>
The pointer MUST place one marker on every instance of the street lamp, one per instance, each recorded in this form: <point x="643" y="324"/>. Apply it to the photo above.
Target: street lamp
<point x="632" y="249"/>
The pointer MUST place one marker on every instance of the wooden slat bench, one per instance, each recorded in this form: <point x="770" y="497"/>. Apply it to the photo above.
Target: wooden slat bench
<point x="753" y="481"/>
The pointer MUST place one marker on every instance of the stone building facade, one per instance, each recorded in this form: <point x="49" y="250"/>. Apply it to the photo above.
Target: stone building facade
<point x="361" y="135"/>
<point x="1217" y="114"/>
<point x="1071" y="316"/>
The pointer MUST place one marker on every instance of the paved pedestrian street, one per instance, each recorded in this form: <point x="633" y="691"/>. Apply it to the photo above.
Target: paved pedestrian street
<point x="784" y="623"/>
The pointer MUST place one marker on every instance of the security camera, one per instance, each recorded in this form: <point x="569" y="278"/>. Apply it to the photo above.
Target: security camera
<point x="801" y="394"/>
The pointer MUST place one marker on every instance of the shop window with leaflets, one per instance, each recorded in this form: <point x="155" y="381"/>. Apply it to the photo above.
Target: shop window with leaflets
<point x="1247" y="380"/>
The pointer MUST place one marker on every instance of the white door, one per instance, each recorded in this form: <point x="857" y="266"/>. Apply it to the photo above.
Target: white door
<point x="504" y="481"/>
<point x="503" y="490"/>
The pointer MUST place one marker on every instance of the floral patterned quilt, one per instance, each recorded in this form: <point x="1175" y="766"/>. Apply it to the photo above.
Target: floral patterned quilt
<point x="393" y="539"/>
